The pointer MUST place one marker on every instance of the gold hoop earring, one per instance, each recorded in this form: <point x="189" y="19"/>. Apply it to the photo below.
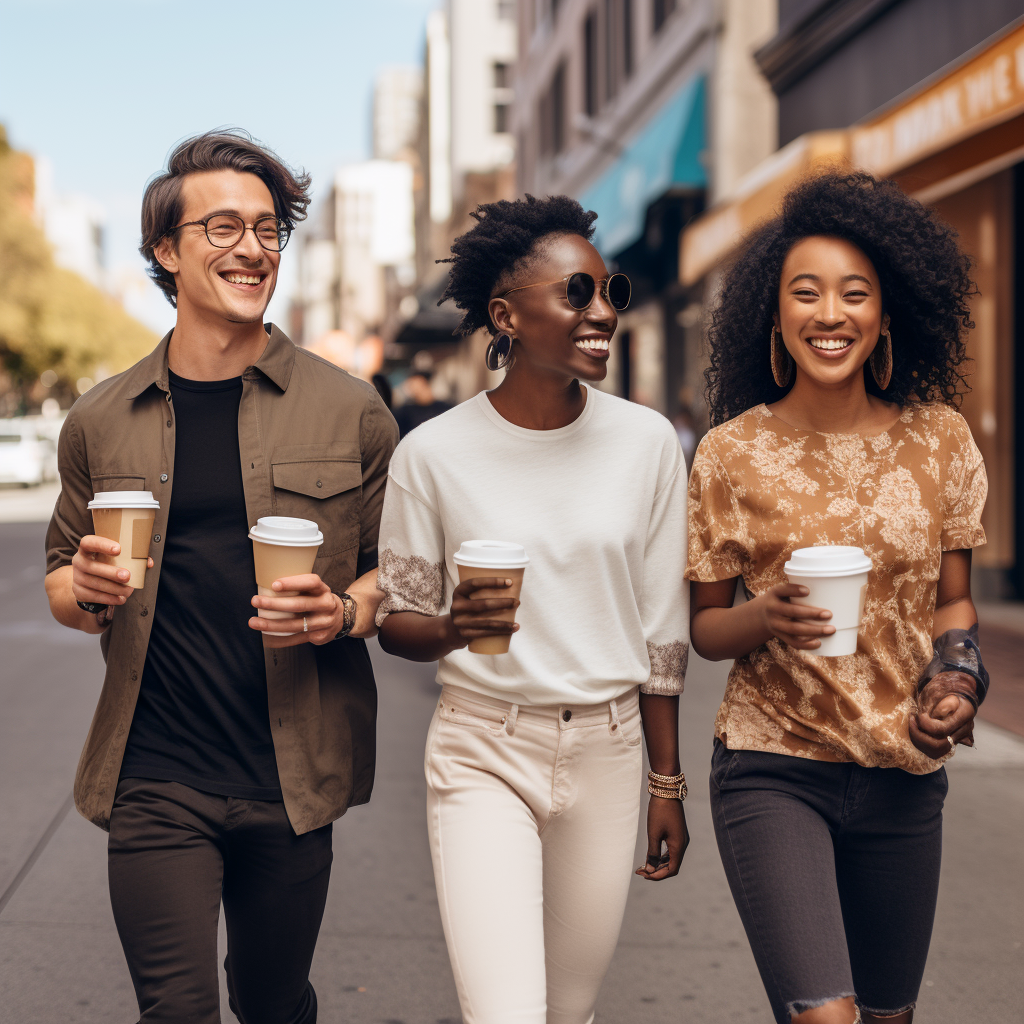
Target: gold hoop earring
<point x="782" y="364"/>
<point x="499" y="352"/>
<point x="881" y="361"/>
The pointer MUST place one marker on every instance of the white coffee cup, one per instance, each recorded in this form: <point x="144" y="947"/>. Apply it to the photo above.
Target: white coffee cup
<point x="837" y="580"/>
<point x="476" y="558"/>
<point x="281" y="547"/>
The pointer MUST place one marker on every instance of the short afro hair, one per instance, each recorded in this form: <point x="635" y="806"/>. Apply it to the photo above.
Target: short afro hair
<point x="504" y="238"/>
<point x="926" y="290"/>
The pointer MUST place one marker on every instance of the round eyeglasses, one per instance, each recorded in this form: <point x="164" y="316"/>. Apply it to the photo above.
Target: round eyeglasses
<point x="225" y="230"/>
<point x="581" y="288"/>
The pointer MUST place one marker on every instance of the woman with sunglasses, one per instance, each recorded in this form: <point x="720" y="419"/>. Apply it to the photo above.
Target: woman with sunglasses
<point x="533" y="758"/>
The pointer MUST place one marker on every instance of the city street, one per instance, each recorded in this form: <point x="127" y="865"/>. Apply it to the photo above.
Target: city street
<point x="682" y="956"/>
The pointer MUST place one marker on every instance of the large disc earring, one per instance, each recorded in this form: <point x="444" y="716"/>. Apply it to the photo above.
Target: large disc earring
<point x="499" y="352"/>
<point x="881" y="360"/>
<point x="782" y="364"/>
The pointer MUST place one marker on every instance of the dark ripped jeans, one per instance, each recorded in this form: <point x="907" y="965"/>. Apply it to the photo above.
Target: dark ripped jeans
<point x="174" y="856"/>
<point x="835" y="870"/>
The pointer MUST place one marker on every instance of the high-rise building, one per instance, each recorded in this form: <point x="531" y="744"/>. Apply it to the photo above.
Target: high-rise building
<point x="397" y="93"/>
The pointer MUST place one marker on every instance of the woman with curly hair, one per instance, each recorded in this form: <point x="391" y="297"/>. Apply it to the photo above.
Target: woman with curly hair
<point x="533" y="757"/>
<point x="837" y="346"/>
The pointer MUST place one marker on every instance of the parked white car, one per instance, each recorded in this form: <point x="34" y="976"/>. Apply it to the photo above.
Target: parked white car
<point x="27" y="456"/>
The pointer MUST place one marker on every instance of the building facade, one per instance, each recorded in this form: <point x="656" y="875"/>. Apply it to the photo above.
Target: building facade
<point x="645" y="110"/>
<point x="466" y="150"/>
<point x="929" y="93"/>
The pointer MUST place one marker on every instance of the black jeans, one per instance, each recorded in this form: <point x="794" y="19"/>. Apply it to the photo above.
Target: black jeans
<point x="174" y="855"/>
<point x="835" y="871"/>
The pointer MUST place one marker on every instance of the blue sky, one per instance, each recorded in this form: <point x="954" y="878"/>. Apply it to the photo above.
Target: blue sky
<point x="105" y="88"/>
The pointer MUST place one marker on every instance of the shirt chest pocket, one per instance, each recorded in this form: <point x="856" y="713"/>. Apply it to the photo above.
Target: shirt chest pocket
<point x="328" y="491"/>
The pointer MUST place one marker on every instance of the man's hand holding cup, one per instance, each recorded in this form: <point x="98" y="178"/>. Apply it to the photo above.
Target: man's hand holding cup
<point x="97" y="582"/>
<point x="310" y="613"/>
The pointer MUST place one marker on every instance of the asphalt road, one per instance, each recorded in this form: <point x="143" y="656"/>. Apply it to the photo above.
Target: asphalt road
<point x="682" y="956"/>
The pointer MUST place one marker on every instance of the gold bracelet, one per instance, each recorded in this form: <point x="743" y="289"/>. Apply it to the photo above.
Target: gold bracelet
<point x="670" y="787"/>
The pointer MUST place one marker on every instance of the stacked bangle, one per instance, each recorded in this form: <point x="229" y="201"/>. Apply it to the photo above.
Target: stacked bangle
<point x="668" y="787"/>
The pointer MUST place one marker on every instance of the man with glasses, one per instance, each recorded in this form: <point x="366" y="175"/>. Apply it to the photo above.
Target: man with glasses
<point x="220" y="753"/>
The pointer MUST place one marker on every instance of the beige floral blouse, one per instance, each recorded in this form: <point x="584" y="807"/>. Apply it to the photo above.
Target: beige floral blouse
<point x="760" y="488"/>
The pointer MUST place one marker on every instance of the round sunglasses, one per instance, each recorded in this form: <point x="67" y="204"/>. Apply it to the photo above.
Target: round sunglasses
<point x="580" y="290"/>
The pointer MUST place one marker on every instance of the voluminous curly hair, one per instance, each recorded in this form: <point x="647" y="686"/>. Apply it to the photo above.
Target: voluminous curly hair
<point x="229" y="149"/>
<point x="500" y="245"/>
<point x="925" y="291"/>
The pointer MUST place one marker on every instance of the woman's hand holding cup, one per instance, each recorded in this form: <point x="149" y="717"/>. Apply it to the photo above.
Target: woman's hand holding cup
<point x="472" y="617"/>
<point x="798" y="625"/>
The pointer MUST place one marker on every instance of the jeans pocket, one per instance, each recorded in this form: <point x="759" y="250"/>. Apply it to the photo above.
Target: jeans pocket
<point x="723" y="761"/>
<point x="465" y="714"/>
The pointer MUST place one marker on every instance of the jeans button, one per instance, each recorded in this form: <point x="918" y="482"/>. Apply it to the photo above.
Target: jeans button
<point x="566" y="715"/>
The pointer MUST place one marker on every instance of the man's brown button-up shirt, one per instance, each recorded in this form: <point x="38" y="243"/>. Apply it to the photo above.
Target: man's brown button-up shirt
<point x="314" y="443"/>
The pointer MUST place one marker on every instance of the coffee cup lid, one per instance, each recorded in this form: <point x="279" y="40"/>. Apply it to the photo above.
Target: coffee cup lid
<point x="828" y="560"/>
<point x="491" y="554"/>
<point x="288" y="532"/>
<point x="124" y="499"/>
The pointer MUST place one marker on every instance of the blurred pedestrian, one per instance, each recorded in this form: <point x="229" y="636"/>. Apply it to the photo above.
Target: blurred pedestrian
<point x="383" y="386"/>
<point x="420" y="402"/>
<point x="837" y="350"/>
<point x="224" y="746"/>
<point x="533" y="758"/>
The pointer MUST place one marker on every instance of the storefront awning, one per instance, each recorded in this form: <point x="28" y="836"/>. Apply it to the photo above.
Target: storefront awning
<point x="665" y="155"/>
<point x="962" y="125"/>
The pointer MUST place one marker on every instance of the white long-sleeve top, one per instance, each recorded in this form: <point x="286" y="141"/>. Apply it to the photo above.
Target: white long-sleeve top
<point x="599" y="506"/>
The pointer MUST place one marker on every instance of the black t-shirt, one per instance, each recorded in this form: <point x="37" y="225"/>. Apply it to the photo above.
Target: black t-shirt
<point x="202" y="717"/>
<point x="411" y="415"/>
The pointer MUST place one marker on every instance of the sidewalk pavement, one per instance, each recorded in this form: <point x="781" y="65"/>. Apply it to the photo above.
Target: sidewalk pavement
<point x="682" y="956"/>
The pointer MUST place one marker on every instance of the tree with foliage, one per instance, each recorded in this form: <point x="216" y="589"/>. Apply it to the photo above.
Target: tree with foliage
<point x="51" y="318"/>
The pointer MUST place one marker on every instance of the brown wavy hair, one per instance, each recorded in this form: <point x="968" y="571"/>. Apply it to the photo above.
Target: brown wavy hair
<point x="223" y="149"/>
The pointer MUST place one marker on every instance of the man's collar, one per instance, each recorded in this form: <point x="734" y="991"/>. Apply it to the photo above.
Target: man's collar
<point x="276" y="363"/>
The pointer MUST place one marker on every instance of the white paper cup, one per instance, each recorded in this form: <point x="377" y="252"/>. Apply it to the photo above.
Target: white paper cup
<point x="477" y="558"/>
<point x="126" y="517"/>
<point x="837" y="580"/>
<point x="282" y="547"/>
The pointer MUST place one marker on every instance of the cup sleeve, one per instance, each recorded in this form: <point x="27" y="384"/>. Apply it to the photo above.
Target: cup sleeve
<point x="964" y="492"/>
<point x="718" y="537"/>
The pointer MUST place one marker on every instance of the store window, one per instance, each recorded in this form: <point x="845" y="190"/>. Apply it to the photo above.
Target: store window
<point x="590" y="64"/>
<point x="502" y="76"/>
<point x="627" y="37"/>
<point x="501" y="118"/>
<point x="551" y="115"/>
<point x="663" y="10"/>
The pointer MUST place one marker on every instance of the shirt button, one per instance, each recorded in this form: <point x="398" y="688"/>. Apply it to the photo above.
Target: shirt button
<point x="145" y="612"/>
<point x="319" y="483"/>
<point x="163" y="478"/>
<point x="135" y="675"/>
<point x="566" y="715"/>
<point x="615" y="726"/>
<point x="168" y="423"/>
<point x="156" y="537"/>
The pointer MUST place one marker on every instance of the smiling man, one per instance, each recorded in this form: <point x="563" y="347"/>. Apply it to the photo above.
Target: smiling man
<point x="219" y="755"/>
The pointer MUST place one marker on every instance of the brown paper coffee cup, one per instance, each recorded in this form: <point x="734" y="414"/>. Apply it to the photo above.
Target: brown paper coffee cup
<point x="279" y="554"/>
<point x="494" y="644"/>
<point x="114" y="518"/>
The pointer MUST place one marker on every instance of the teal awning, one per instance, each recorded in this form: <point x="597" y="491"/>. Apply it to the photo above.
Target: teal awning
<point x="665" y="155"/>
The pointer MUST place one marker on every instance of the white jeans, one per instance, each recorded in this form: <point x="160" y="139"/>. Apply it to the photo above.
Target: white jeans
<point x="532" y="813"/>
